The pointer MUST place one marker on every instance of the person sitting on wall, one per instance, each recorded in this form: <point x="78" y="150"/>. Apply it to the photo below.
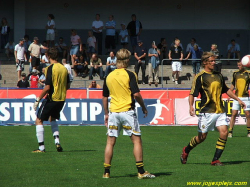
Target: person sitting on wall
<point x="96" y="66"/>
<point x="81" y="66"/>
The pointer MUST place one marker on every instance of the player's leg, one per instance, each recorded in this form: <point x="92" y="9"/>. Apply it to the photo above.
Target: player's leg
<point x="40" y="136"/>
<point x="220" y="145"/>
<point x="232" y="122"/>
<point x="108" y="155"/>
<point x="247" y="113"/>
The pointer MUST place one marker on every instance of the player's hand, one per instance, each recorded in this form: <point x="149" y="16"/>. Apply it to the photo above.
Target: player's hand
<point x="228" y="99"/>
<point x="242" y="104"/>
<point x="36" y="103"/>
<point x="170" y="58"/>
<point x="192" y="111"/>
<point x="145" y="112"/>
<point x="106" y="120"/>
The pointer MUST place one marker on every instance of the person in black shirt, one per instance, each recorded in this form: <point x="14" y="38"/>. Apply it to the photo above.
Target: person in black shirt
<point x="140" y="55"/>
<point x="23" y="83"/>
<point x="175" y="52"/>
<point x="163" y="48"/>
<point x="134" y="31"/>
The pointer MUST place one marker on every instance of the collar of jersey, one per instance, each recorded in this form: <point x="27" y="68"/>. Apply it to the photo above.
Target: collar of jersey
<point x="208" y="72"/>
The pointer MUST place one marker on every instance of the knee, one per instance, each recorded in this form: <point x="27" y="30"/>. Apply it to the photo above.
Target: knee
<point x="247" y="115"/>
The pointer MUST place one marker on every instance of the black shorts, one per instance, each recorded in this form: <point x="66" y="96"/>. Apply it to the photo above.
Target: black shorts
<point x="110" y="42"/>
<point x="50" y="108"/>
<point x="35" y="61"/>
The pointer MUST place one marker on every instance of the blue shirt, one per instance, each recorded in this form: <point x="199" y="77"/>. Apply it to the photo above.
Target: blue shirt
<point x="196" y="54"/>
<point x="235" y="48"/>
<point x="110" y="32"/>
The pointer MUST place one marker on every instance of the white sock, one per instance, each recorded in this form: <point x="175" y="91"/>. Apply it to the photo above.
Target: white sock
<point x="40" y="136"/>
<point x="55" y="131"/>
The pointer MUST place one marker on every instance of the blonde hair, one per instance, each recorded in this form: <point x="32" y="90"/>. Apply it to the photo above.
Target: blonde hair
<point x="122" y="56"/>
<point x="205" y="57"/>
<point x="177" y="40"/>
<point x="214" y="45"/>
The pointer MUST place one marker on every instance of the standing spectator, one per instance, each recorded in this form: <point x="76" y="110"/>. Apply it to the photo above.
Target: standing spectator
<point x="111" y="63"/>
<point x="34" y="79"/>
<point x="191" y="45"/>
<point x="94" y="85"/>
<point x="95" y="67"/>
<point x="124" y="36"/>
<point x="70" y="73"/>
<point x="134" y="30"/>
<point x="50" y="37"/>
<point x="176" y="53"/>
<point x="26" y="45"/>
<point x="35" y="52"/>
<point x="9" y="49"/>
<point x="23" y="83"/>
<point x="76" y="44"/>
<point x="218" y="64"/>
<point x="110" y="34"/>
<point x="42" y="79"/>
<point x="97" y="27"/>
<point x="233" y="50"/>
<point x="5" y="30"/>
<point x="20" y="56"/>
<point x="163" y="48"/>
<point x="91" y="41"/>
<point x="140" y="55"/>
<point x="153" y="64"/>
<point x="62" y="48"/>
<point x="196" y="53"/>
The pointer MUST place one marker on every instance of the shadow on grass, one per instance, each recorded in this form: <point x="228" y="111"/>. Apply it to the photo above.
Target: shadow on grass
<point x="156" y="174"/>
<point x="225" y="163"/>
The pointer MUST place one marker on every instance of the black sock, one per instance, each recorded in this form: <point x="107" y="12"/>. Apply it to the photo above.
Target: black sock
<point x="230" y="130"/>
<point x="192" y="144"/>
<point x="107" y="168"/>
<point x="139" y="166"/>
<point x="220" y="146"/>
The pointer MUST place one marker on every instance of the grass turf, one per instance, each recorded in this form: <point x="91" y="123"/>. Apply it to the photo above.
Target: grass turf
<point x="81" y="163"/>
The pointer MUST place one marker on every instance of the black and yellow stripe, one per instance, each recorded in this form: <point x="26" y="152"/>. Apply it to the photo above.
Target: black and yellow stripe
<point x="248" y="130"/>
<point x="220" y="144"/>
<point x="113" y="127"/>
<point x="139" y="164"/>
<point x="107" y="166"/>
<point x="193" y="142"/>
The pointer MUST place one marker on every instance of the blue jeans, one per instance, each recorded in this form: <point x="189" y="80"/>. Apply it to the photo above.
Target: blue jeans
<point x="99" y="71"/>
<point x="196" y="66"/>
<point x="108" y="70"/>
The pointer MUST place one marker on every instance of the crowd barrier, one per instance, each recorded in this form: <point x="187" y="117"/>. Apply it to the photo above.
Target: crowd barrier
<point x="84" y="107"/>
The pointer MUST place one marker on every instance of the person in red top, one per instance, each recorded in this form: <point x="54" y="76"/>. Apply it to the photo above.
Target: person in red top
<point x="34" y="78"/>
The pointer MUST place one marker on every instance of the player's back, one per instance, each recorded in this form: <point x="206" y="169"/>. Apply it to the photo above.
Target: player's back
<point x="119" y="83"/>
<point x="57" y="78"/>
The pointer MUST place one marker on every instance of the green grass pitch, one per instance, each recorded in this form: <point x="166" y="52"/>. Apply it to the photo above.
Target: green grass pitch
<point x="81" y="163"/>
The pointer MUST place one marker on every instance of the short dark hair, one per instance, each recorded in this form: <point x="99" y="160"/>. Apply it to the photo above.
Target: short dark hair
<point x="233" y="40"/>
<point x="26" y="36"/>
<point x="53" y="53"/>
<point x="193" y="39"/>
<point x="133" y="15"/>
<point x="60" y="38"/>
<point x="51" y="16"/>
<point x="98" y="15"/>
<point x="162" y="39"/>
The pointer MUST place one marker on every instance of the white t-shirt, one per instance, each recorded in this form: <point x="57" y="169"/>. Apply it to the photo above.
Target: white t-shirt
<point x="74" y="39"/>
<point x="97" y="24"/>
<point x="67" y="66"/>
<point x="20" y="49"/>
<point x="45" y="59"/>
<point x="91" y="41"/>
<point x="51" y="22"/>
<point x="124" y="33"/>
<point x="112" y="60"/>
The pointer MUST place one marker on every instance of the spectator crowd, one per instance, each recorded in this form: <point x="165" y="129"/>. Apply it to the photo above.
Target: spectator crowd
<point x="83" y="59"/>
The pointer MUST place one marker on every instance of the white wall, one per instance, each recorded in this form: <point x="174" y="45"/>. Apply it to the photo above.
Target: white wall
<point x="161" y="14"/>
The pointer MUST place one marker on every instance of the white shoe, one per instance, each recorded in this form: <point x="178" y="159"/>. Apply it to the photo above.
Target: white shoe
<point x="230" y="135"/>
<point x="176" y="82"/>
<point x="173" y="79"/>
<point x="248" y="135"/>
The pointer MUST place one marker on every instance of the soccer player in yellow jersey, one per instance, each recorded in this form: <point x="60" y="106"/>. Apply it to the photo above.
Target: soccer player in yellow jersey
<point x="210" y="85"/>
<point x="121" y="85"/>
<point x="56" y="84"/>
<point x="240" y="83"/>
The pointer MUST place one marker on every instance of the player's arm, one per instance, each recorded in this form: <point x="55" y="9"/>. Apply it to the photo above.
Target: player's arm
<point x="188" y="55"/>
<point x="105" y="94"/>
<point x="232" y="95"/>
<point x="144" y="54"/>
<point x="196" y="86"/>
<point x="169" y="55"/>
<point x="139" y="99"/>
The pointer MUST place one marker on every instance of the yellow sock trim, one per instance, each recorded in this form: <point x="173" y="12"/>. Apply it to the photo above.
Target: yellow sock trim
<point x="107" y="166"/>
<point x="139" y="164"/>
